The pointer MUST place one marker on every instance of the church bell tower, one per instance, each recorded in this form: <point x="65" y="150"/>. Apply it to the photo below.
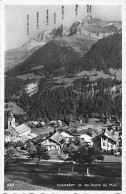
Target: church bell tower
<point x="11" y="121"/>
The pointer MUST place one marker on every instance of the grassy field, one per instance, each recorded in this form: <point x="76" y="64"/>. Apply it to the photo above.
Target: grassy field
<point x="12" y="106"/>
<point x="63" y="176"/>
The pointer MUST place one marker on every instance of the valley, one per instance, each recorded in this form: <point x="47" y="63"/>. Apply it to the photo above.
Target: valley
<point x="63" y="108"/>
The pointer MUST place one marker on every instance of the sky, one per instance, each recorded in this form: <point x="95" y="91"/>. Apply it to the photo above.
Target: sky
<point x="15" y="19"/>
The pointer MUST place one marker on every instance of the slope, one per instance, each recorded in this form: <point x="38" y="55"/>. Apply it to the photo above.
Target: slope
<point x="58" y="54"/>
<point x="104" y="54"/>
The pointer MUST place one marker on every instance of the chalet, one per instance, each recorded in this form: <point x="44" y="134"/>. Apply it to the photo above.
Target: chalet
<point x="25" y="138"/>
<point x="87" y="138"/>
<point x="86" y="134"/>
<point x="36" y="140"/>
<point x="51" y="144"/>
<point x="67" y="135"/>
<point x="105" y="141"/>
<point x="57" y="137"/>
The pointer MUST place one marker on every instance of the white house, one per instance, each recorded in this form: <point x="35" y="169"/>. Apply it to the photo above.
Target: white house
<point x="86" y="138"/>
<point x="30" y="136"/>
<point x="57" y="137"/>
<point x="67" y="136"/>
<point x="105" y="141"/>
<point x="51" y="144"/>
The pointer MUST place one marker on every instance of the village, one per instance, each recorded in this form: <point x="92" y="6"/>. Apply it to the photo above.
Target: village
<point x="105" y="134"/>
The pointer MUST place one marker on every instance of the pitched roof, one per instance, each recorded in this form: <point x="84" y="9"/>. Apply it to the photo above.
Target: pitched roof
<point x="37" y="140"/>
<point x="22" y="128"/>
<point x="97" y="128"/>
<point x="107" y="134"/>
<point x="70" y="133"/>
<point x="24" y="138"/>
<point x="32" y="135"/>
<point x="54" y="141"/>
<point x="56" y="136"/>
<point x="111" y="135"/>
<point x="50" y="142"/>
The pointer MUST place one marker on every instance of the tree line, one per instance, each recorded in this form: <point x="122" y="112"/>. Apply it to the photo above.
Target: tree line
<point x="77" y="100"/>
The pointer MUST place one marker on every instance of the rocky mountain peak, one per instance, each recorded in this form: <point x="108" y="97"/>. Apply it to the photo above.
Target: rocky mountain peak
<point x="61" y="31"/>
<point x="91" y="19"/>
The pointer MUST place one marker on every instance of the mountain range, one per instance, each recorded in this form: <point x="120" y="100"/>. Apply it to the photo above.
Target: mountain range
<point x="67" y="71"/>
<point x="78" y="38"/>
<point x="89" y="47"/>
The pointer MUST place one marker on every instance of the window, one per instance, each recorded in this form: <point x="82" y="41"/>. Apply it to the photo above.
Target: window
<point x="111" y="146"/>
<point x="120" y="143"/>
<point x="104" y="143"/>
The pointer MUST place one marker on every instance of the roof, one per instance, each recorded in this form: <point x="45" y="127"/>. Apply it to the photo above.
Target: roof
<point x="24" y="138"/>
<point x="50" y="142"/>
<point x="107" y="134"/>
<point x="70" y="133"/>
<point x="54" y="141"/>
<point x="56" y="136"/>
<point x="91" y="127"/>
<point x="32" y="135"/>
<point x="37" y="140"/>
<point x="89" y="131"/>
<point x="111" y="135"/>
<point x="22" y="128"/>
<point x="66" y="134"/>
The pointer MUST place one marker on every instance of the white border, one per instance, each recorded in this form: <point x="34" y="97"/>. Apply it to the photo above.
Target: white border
<point x="62" y="2"/>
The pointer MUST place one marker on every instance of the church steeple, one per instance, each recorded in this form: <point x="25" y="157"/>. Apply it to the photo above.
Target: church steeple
<point x="11" y="121"/>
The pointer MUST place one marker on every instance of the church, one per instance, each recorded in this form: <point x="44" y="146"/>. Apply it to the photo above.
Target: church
<point x="16" y="133"/>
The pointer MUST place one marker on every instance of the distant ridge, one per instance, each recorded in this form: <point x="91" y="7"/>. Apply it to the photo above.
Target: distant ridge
<point x="76" y="38"/>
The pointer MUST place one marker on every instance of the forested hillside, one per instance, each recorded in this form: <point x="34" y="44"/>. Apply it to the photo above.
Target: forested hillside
<point x="53" y="100"/>
<point x="77" y="100"/>
<point x="105" y="53"/>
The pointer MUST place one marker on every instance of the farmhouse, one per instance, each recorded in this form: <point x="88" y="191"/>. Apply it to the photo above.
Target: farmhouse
<point x="57" y="137"/>
<point x="105" y="141"/>
<point x="27" y="137"/>
<point x="86" y="137"/>
<point x="36" y="140"/>
<point x="51" y="144"/>
<point x="68" y="136"/>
